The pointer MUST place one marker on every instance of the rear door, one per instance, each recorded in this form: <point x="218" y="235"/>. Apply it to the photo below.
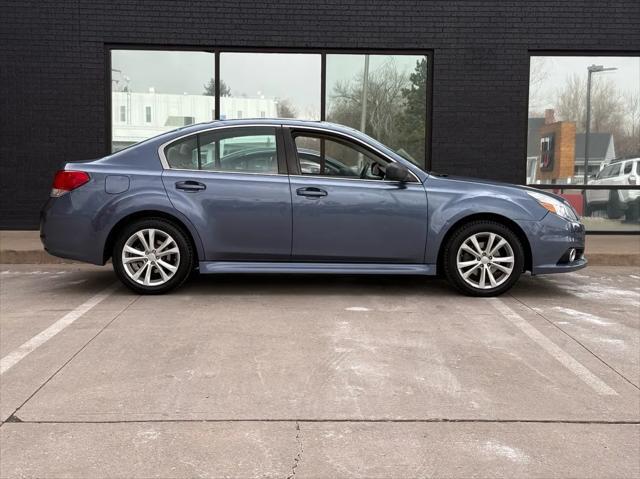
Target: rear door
<point x="233" y="186"/>
<point x="344" y="210"/>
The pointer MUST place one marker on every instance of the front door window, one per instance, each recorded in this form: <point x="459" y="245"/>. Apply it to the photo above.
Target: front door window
<point x="326" y="156"/>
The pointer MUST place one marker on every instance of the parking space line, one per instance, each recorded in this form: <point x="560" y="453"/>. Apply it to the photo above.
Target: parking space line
<point x="553" y="349"/>
<point x="38" y="340"/>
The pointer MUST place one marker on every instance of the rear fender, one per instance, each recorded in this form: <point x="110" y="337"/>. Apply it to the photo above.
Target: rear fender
<point x="140" y="200"/>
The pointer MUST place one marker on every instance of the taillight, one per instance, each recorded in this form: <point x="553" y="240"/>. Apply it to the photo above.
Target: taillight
<point x="65" y="181"/>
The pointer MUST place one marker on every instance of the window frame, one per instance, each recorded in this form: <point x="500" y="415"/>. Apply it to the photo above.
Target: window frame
<point x="426" y="162"/>
<point x="280" y="149"/>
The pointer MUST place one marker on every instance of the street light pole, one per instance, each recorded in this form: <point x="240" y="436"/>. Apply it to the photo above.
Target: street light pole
<point x="363" y="114"/>
<point x="590" y="71"/>
<point x="588" y="131"/>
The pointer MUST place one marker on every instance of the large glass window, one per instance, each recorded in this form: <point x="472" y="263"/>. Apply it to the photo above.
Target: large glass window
<point x="563" y="92"/>
<point x="384" y="96"/>
<point x="177" y="86"/>
<point x="272" y="85"/>
<point x="584" y="129"/>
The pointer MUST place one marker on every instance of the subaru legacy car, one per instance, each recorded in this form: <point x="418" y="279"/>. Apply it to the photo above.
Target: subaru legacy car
<point x="288" y="196"/>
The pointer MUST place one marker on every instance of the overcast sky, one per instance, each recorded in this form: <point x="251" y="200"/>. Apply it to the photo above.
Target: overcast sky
<point x="558" y="69"/>
<point x="167" y="72"/>
<point x="274" y="75"/>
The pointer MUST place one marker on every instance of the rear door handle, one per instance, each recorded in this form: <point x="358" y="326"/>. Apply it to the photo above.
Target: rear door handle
<point x="190" y="185"/>
<point x="311" y="192"/>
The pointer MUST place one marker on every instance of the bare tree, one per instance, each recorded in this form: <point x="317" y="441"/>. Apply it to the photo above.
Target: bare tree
<point x="285" y="109"/>
<point x="385" y="100"/>
<point x="632" y="103"/>
<point x="607" y="106"/>
<point x="538" y="74"/>
<point x="210" y="88"/>
<point x="611" y="111"/>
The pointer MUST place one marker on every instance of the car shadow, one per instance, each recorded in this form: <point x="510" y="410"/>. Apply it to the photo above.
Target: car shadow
<point x="306" y="284"/>
<point x="310" y="284"/>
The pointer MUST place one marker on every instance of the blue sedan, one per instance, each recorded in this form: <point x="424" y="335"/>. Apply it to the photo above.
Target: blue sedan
<point x="287" y="196"/>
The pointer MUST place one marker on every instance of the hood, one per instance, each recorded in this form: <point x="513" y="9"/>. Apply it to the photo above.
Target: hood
<point x="499" y="184"/>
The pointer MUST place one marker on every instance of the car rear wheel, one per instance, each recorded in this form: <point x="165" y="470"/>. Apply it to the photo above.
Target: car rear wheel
<point x="152" y="256"/>
<point x="483" y="258"/>
<point x="615" y="208"/>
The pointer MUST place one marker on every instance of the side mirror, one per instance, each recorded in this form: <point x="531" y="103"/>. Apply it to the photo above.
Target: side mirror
<point x="396" y="172"/>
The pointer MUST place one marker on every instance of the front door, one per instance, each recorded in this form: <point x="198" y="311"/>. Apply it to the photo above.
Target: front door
<point x="343" y="208"/>
<point x="232" y="185"/>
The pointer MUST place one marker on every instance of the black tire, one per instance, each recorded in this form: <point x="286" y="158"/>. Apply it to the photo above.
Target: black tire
<point x="614" y="206"/>
<point x="462" y="234"/>
<point x="632" y="215"/>
<point x="185" y="258"/>
<point x="588" y="210"/>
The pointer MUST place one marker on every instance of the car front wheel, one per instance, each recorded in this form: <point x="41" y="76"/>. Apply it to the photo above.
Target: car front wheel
<point x="483" y="258"/>
<point x="152" y="256"/>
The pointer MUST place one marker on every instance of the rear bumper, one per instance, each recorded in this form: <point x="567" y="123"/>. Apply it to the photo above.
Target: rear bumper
<point x="68" y="235"/>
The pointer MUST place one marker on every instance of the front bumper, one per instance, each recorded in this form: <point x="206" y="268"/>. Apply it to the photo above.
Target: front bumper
<point x="550" y="240"/>
<point x="561" y="268"/>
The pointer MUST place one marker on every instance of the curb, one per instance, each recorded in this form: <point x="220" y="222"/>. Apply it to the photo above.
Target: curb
<point x="42" y="257"/>
<point x="613" y="259"/>
<point x="31" y="257"/>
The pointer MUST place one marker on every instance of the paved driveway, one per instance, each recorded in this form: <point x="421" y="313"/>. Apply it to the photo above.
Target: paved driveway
<point x="262" y="376"/>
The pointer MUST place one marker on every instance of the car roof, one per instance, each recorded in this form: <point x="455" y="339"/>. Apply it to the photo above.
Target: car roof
<point x="621" y="160"/>
<point x="290" y="122"/>
<point x="285" y="122"/>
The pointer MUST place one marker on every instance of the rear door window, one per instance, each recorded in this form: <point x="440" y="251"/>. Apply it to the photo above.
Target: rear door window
<point x="241" y="150"/>
<point x="627" y="167"/>
<point x="183" y="154"/>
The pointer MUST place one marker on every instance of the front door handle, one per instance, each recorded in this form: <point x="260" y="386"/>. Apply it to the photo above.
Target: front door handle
<point x="311" y="192"/>
<point x="190" y="186"/>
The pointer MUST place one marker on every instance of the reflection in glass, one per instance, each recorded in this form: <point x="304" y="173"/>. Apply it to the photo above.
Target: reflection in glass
<point x="270" y="85"/>
<point x="384" y="96"/>
<point x="156" y="91"/>
<point x="327" y="157"/>
<point x="251" y="151"/>
<point x="246" y="153"/>
<point x="559" y="104"/>
<point x="605" y="209"/>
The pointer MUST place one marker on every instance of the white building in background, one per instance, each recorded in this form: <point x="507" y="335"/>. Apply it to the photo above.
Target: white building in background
<point x="137" y="116"/>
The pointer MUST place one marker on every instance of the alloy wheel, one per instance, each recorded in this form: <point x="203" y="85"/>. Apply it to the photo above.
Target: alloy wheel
<point x="485" y="260"/>
<point x="150" y="257"/>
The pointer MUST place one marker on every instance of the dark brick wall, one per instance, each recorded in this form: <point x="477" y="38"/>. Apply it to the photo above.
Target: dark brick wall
<point x="52" y="68"/>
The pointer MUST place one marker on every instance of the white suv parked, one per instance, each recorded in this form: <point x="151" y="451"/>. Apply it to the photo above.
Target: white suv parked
<point x="615" y="202"/>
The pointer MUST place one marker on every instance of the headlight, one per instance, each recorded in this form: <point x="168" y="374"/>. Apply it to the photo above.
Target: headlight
<point x="553" y="205"/>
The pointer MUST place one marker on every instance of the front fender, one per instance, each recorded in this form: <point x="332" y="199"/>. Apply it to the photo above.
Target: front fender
<point x="448" y="206"/>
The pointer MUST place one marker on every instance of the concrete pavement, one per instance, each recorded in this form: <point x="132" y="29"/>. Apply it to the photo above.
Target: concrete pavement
<point x="283" y="376"/>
